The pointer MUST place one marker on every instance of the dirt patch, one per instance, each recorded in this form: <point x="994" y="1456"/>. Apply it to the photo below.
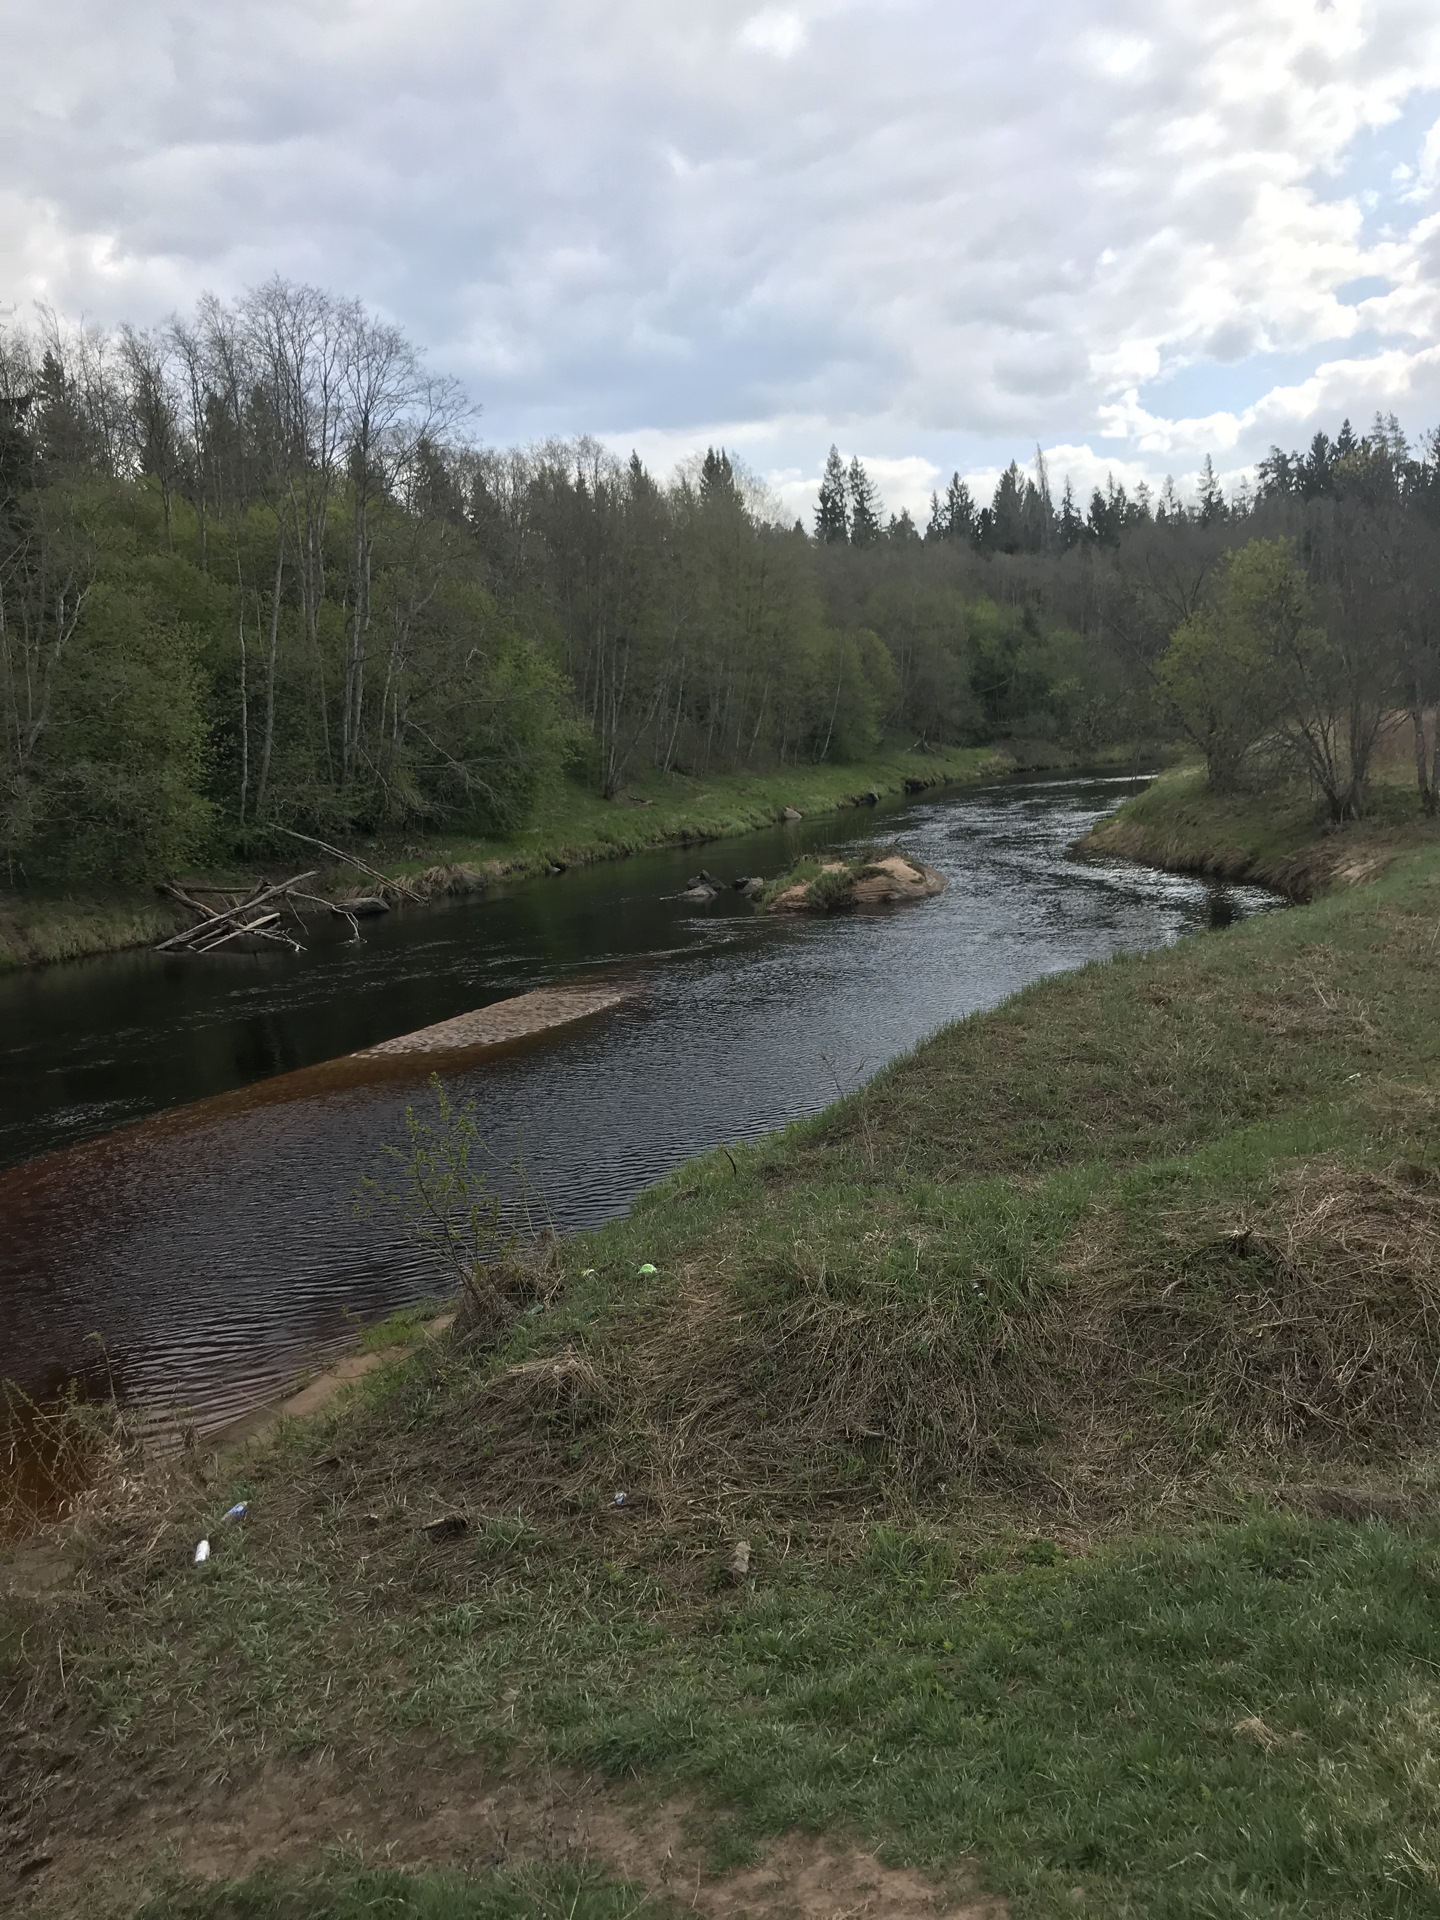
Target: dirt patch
<point x="415" y="1809"/>
<point x="318" y="1392"/>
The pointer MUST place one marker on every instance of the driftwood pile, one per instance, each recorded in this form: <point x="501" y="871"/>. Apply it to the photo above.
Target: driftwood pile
<point x="260" y="914"/>
<point x="256" y="917"/>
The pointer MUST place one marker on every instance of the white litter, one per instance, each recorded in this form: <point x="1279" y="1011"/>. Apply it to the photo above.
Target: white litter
<point x="202" y="1553"/>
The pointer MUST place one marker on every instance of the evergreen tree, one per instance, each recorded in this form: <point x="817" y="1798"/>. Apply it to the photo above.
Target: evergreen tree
<point x="832" y="512"/>
<point x="1007" y="529"/>
<point x="1102" y="520"/>
<point x="1211" y="498"/>
<point x="954" y="517"/>
<point x="866" y="507"/>
<point x="1072" y="527"/>
<point x="1315" y="471"/>
<point x="717" y="479"/>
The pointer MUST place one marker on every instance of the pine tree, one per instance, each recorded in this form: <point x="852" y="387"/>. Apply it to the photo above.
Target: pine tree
<point x="717" y="479"/>
<point x="1007" y="511"/>
<point x="832" y="512"/>
<point x="1211" y="498"/>
<point x="866" y="507"/>
<point x="961" y="522"/>
<point x="1317" y="470"/>
<point x="1072" y="527"/>
<point x="1103" y="521"/>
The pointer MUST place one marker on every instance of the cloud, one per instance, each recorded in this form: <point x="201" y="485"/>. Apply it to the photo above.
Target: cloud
<point x="938" y="233"/>
<point x="774" y="31"/>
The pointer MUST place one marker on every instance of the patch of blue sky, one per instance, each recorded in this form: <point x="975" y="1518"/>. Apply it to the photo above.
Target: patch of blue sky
<point x="1379" y="166"/>
<point x="1210" y="386"/>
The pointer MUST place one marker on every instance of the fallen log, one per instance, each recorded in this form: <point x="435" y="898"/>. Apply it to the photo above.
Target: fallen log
<point x="190" y="938"/>
<point x="354" y="860"/>
<point x="262" y="928"/>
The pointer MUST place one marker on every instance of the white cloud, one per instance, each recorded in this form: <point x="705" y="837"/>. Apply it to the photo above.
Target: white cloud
<point x="774" y="31"/>
<point x="944" y="233"/>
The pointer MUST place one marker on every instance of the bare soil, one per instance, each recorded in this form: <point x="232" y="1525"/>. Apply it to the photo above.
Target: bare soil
<point x="413" y="1807"/>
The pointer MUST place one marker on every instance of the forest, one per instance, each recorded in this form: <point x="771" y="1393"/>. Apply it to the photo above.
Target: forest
<point x="258" y="571"/>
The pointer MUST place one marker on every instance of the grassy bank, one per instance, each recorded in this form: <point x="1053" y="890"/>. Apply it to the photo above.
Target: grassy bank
<point x="572" y="826"/>
<point x="1273" y="841"/>
<point x="1073" y="1389"/>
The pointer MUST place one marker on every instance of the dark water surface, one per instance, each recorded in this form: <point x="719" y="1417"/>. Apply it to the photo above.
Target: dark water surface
<point x="164" y="1190"/>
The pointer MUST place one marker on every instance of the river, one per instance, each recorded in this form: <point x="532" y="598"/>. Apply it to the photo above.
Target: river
<point x="179" y="1181"/>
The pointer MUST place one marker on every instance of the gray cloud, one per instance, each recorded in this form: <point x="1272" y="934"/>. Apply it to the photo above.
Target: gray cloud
<point x="935" y="233"/>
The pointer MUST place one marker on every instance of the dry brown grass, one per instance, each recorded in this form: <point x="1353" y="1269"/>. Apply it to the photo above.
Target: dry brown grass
<point x="1314" y="1322"/>
<point x="1310" y="1326"/>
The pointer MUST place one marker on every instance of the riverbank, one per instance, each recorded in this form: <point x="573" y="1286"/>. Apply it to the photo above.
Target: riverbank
<point x="572" y="827"/>
<point x="1070" y="1390"/>
<point x="1274" y="841"/>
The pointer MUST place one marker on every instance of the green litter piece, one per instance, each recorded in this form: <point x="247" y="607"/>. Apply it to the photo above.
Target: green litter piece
<point x="647" y="1268"/>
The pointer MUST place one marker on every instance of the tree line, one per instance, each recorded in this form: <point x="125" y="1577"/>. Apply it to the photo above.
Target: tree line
<point x="256" y="571"/>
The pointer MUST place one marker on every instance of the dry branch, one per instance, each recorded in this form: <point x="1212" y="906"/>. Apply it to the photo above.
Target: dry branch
<point x="196" y="939"/>
<point x="354" y="860"/>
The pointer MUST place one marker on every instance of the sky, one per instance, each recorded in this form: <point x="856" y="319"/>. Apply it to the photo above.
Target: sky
<point x="938" y="233"/>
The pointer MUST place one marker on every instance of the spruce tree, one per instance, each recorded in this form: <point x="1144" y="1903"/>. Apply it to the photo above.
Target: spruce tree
<point x="717" y="478"/>
<point x="1072" y="527"/>
<point x="1007" y="511"/>
<point x="866" y="507"/>
<point x="832" y="513"/>
<point x="1212" y="499"/>
<point x="961" y="522"/>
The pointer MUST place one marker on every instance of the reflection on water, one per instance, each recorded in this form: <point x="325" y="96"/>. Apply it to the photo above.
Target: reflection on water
<point x="214" y="1244"/>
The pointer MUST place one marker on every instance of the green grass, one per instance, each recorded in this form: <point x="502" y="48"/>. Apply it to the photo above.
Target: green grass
<point x="403" y="1328"/>
<point x="572" y="826"/>
<point x="36" y="929"/>
<point x="346" y="1889"/>
<point x="1273" y="839"/>
<point x="827" y="883"/>
<point x="1030" y="1373"/>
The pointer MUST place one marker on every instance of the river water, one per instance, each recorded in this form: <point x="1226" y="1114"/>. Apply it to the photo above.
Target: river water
<point x="179" y="1171"/>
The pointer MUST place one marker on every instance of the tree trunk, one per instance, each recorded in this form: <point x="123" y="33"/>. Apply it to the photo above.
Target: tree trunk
<point x="268" y="741"/>
<point x="1423" y="779"/>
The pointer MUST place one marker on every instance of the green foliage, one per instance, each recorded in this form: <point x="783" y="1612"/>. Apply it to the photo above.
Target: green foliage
<point x="440" y="1189"/>
<point x="1256" y="667"/>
